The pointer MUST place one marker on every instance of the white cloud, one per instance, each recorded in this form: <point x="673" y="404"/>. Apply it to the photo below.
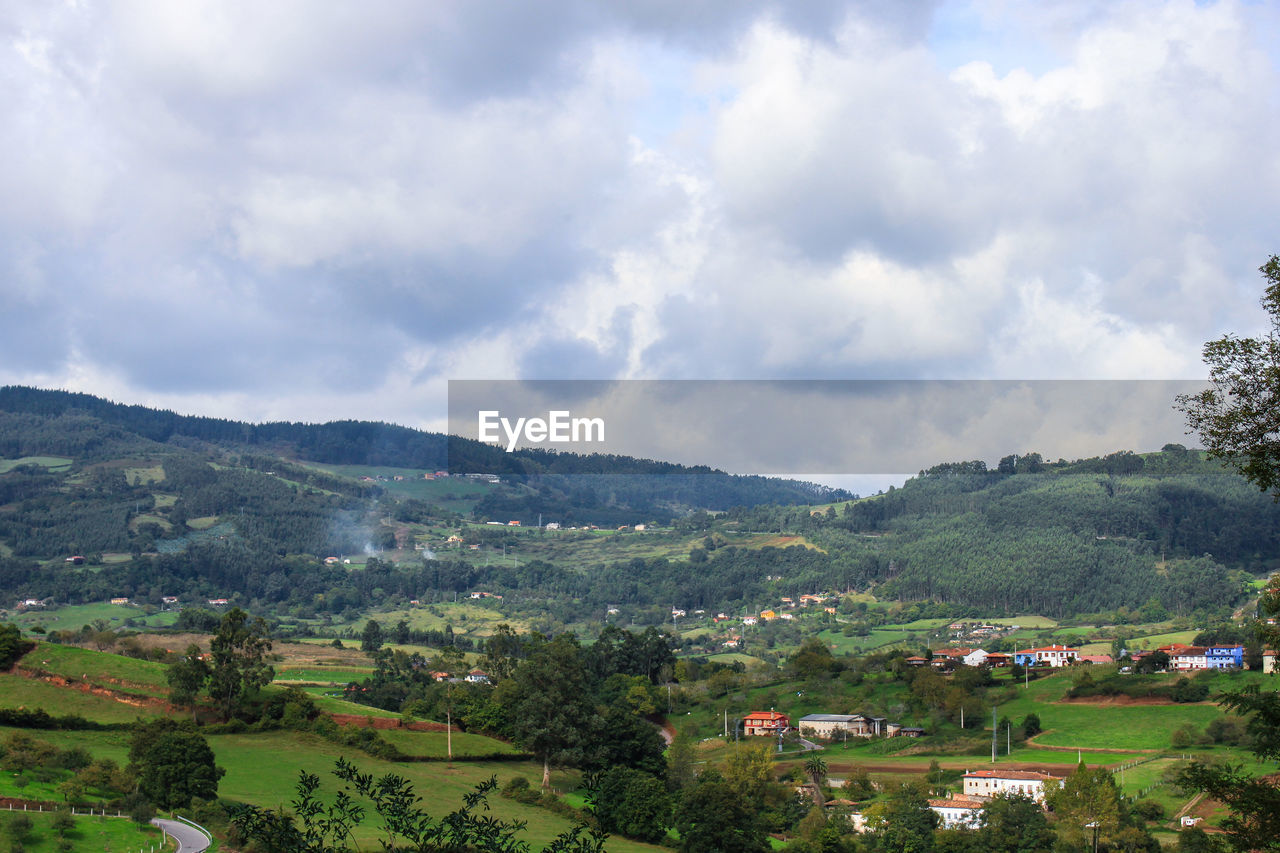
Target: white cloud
<point x="224" y="204"/>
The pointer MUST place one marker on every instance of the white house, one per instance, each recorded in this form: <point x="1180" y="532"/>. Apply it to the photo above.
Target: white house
<point x="977" y="657"/>
<point x="989" y="783"/>
<point x="959" y="812"/>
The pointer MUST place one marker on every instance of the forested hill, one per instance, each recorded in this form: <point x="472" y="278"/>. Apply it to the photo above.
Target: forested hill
<point x="89" y="427"/>
<point x="252" y="510"/>
<point x="1171" y="530"/>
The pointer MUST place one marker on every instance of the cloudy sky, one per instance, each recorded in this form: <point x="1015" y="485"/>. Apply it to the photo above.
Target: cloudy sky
<point x="319" y="210"/>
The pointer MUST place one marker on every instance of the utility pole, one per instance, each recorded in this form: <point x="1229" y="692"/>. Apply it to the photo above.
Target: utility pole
<point x="995" y="730"/>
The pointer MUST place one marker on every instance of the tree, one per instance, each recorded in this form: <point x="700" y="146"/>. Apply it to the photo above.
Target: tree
<point x="12" y="646"/>
<point x="174" y="764"/>
<point x="1015" y="823"/>
<point x="1238" y="420"/>
<point x="633" y="803"/>
<point x="816" y="769"/>
<point x="187" y="677"/>
<point x="903" y="823"/>
<point x="371" y="637"/>
<point x="712" y="817"/>
<point x="239" y="665"/>
<point x="1238" y="416"/>
<point x="553" y="715"/>
<point x="1086" y="797"/>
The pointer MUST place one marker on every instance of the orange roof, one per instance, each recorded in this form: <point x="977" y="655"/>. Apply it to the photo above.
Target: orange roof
<point x="771" y="716"/>
<point x="958" y="803"/>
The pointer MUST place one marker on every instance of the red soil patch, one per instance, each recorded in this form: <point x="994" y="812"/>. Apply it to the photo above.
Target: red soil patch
<point x="93" y="689"/>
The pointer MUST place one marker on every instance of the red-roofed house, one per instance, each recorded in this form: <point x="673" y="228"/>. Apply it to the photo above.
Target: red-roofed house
<point x="765" y="723"/>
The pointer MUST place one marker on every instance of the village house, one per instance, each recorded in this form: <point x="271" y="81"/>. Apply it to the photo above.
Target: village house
<point x="990" y="783"/>
<point x="121" y="601"/>
<point x="477" y="676"/>
<point x="1054" y="656"/>
<point x="766" y="723"/>
<point x="831" y="726"/>
<point x="749" y="620"/>
<point x="1269" y="660"/>
<point x="958" y="812"/>
<point x="768" y="615"/>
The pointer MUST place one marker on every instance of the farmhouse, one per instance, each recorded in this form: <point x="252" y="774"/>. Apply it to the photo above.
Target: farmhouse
<point x="765" y="723"/>
<point x="989" y="783"/>
<point x="958" y="812"/>
<point x="120" y="601"/>
<point x="835" y="725"/>
<point x="1269" y="661"/>
<point x="1054" y="656"/>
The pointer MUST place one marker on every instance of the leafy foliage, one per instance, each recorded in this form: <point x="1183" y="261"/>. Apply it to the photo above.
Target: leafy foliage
<point x="318" y="826"/>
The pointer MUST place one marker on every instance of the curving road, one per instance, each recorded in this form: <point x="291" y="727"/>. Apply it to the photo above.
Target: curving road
<point x="190" y="839"/>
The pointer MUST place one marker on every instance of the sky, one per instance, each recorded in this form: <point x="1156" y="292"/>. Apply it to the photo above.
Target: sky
<point x="324" y="210"/>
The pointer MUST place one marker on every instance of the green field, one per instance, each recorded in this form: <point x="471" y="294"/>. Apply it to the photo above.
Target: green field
<point x="116" y="671"/>
<point x="74" y="617"/>
<point x="89" y="834"/>
<point x="453" y="494"/>
<point x="1153" y="641"/>
<point x="1102" y="726"/>
<point x="53" y="463"/>
<point x="250" y="778"/>
<point x="19" y="692"/>
<point x="437" y="743"/>
<point x="322" y="675"/>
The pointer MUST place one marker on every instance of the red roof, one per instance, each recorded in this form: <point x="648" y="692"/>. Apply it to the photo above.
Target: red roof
<point x="764" y="718"/>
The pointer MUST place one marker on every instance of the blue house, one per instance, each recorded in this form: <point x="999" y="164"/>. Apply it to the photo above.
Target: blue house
<point x="1224" y="657"/>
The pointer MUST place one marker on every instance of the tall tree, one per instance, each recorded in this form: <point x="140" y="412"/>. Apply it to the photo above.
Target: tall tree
<point x="712" y="817"/>
<point x="554" y="716"/>
<point x="1238" y="417"/>
<point x="174" y="764"/>
<point x="186" y="677"/>
<point x="1238" y="420"/>
<point x="239" y="665"/>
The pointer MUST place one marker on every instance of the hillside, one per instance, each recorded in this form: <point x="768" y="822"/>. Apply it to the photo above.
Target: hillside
<point x="159" y="504"/>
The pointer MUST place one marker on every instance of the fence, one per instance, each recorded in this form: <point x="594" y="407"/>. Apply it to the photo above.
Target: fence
<point x="38" y="808"/>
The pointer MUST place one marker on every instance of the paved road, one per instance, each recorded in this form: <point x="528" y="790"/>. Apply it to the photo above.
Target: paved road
<point x="189" y="840"/>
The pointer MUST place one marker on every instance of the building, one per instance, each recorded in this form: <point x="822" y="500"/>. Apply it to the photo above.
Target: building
<point x="477" y="676"/>
<point x="1054" y="656"/>
<point x="958" y="812"/>
<point x="841" y="725"/>
<point x="1269" y="664"/>
<point x="120" y="601"/>
<point x="1224" y="657"/>
<point x="990" y="783"/>
<point x="1094" y="659"/>
<point x="766" y="723"/>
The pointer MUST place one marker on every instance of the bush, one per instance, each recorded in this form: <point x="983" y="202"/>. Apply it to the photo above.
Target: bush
<point x="1148" y="810"/>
